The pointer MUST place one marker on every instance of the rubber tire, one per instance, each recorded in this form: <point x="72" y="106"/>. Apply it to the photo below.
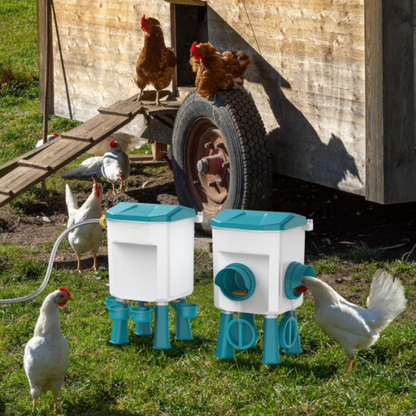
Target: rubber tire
<point x="236" y="116"/>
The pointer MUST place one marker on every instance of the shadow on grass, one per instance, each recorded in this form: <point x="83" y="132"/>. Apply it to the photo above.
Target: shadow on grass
<point x="252" y="360"/>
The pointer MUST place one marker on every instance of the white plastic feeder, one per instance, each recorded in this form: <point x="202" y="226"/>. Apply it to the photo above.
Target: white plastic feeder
<point x="151" y="258"/>
<point x="252" y="251"/>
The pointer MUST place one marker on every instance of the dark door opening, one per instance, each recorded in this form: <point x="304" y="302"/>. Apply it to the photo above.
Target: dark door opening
<point x="190" y="26"/>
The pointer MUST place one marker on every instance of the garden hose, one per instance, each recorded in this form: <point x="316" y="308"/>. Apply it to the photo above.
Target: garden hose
<point x="51" y="261"/>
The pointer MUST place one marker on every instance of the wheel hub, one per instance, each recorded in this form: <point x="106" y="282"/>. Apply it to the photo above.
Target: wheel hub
<point x="207" y="165"/>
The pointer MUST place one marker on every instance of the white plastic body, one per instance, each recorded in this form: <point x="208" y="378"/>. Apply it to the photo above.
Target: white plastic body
<point x="268" y="255"/>
<point x="151" y="261"/>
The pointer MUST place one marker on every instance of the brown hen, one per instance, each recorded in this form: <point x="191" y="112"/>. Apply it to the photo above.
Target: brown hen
<point x="156" y="63"/>
<point x="215" y="71"/>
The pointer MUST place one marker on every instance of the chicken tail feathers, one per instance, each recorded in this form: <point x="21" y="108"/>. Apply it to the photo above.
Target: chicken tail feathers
<point x="243" y="59"/>
<point x="71" y="200"/>
<point x="386" y="298"/>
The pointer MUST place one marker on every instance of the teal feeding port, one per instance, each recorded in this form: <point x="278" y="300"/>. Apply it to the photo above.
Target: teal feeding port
<point x="293" y="278"/>
<point x="236" y="281"/>
<point x="141" y="314"/>
<point x="187" y="310"/>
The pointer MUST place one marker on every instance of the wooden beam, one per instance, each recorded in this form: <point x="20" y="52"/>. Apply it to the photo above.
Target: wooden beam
<point x="42" y="44"/>
<point x="188" y="2"/>
<point x="390" y="106"/>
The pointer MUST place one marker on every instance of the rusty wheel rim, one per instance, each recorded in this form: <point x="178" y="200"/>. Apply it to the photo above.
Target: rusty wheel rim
<point x="207" y="165"/>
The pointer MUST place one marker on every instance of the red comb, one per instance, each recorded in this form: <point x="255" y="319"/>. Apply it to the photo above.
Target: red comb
<point x="64" y="289"/>
<point x="143" y="19"/>
<point x="193" y="48"/>
<point x="112" y="142"/>
<point x="56" y="134"/>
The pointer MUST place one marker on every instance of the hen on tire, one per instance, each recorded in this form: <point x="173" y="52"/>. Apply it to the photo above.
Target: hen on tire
<point x="220" y="157"/>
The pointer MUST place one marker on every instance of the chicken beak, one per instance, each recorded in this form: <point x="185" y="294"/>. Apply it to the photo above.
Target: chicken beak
<point x="70" y="298"/>
<point x="301" y="289"/>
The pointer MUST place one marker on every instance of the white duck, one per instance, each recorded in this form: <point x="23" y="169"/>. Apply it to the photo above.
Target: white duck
<point x="116" y="165"/>
<point x="351" y="326"/>
<point x="46" y="356"/>
<point x="87" y="237"/>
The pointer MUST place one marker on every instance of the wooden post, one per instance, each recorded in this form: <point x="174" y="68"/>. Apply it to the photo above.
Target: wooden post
<point x="390" y="107"/>
<point x="173" y="45"/>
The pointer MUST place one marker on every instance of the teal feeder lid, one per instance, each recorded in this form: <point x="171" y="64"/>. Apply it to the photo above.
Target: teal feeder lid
<point x="257" y="220"/>
<point x="128" y="211"/>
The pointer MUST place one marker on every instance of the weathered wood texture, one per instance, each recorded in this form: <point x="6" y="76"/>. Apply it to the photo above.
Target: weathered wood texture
<point x="44" y="31"/>
<point x="390" y="107"/>
<point x="307" y="79"/>
<point x="27" y="170"/>
<point x="188" y="2"/>
<point x="100" y="44"/>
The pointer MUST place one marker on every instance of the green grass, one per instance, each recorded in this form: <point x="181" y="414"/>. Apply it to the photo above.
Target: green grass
<point x="188" y="380"/>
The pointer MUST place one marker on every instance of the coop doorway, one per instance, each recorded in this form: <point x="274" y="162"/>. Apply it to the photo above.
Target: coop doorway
<point x="189" y="24"/>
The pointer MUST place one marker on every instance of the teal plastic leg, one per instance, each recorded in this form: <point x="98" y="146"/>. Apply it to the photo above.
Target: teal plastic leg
<point x="224" y="348"/>
<point x="162" y="341"/>
<point x="270" y="342"/>
<point x="249" y="317"/>
<point x="295" y="348"/>
<point x="183" y="326"/>
<point x="119" y="332"/>
<point x="142" y="329"/>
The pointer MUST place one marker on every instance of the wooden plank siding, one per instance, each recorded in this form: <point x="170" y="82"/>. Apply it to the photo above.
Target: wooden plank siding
<point x="390" y="103"/>
<point x="100" y="43"/>
<point x="307" y="80"/>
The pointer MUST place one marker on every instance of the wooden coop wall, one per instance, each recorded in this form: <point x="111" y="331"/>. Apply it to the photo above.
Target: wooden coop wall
<point x="307" y="79"/>
<point x="100" y="42"/>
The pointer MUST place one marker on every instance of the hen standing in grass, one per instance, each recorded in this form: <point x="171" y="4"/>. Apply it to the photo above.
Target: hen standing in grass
<point x="87" y="237"/>
<point x="351" y="326"/>
<point x="156" y="63"/>
<point x="46" y="356"/>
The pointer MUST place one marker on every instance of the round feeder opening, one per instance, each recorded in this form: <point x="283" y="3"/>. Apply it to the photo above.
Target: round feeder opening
<point x="141" y="314"/>
<point x="293" y="279"/>
<point x="236" y="282"/>
<point x="119" y="312"/>
<point x="187" y="310"/>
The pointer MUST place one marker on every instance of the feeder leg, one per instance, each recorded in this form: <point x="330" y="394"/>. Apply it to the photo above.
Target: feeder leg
<point x="162" y="341"/>
<point x="295" y="348"/>
<point x="224" y="348"/>
<point x="270" y="341"/>
<point x="119" y="333"/>
<point x="183" y="326"/>
<point x="142" y="329"/>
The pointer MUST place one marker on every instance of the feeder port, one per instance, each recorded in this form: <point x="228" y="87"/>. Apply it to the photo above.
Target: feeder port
<point x="236" y="281"/>
<point x="293" y="278"/>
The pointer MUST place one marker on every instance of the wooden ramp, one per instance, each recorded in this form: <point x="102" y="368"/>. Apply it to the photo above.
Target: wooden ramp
<point x="27" y="170"/>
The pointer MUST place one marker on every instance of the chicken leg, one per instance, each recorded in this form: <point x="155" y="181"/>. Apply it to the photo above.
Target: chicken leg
<point x="79" y="268"/>
<point x="94" y="267"/>
<point x="349" y="363"/>
<point x="157" y="102"/>
<point x="55" y="404"/>
<point x="34" y="405"/>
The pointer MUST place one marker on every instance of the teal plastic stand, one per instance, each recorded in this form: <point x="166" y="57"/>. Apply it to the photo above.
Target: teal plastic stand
<point x="224" y="348"/>
<point x="142" y="328"/>
<point x="162" y="341"/>
<point x="270" y="342"/>
<point x="120" y="316"/>
<point x="182" y="325"/>
<point x="291" y="341"/>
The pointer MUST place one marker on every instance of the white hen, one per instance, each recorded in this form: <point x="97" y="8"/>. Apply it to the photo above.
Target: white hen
<point x="48" y="139"/>
<point x="89" y="167"/>
<point x="46" y="356"/>
<point x="116" y="165"/>
<point x="351" y="326"/>
<point x="87" y="237"/>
